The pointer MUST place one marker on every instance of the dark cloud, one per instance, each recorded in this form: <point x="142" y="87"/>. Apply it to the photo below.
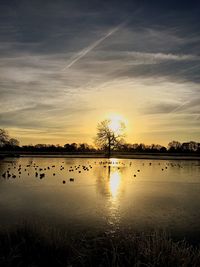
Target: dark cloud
<point x="39" y="39"/>
<point x="159" y="108"/>
<point x="191" y="105"/>
<point x="40" y="116"/>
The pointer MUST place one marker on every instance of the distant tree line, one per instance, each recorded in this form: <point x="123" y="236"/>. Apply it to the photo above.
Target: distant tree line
<point x="71" y="148"/>
<point x="11" y="144"/>
<point x="173" y="147"/>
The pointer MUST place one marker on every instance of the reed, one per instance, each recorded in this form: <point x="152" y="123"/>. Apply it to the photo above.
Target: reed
<point x="45" y="246"/>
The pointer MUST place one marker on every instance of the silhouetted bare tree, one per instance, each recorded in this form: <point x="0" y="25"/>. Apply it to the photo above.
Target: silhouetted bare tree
<point x="13" y="142"/>
<point x="107" y="138"/>
<point x="70" y="147"/>
<point x="174" y="146"/>
<point x="6" y="142"/>
<point x="4" y="137"/>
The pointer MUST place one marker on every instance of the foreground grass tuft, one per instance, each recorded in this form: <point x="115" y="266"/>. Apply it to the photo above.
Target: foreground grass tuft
<point x="29" y="246"/>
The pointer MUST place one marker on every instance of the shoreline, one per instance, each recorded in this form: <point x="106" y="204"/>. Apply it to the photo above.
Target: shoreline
<point x="151" y="156"/>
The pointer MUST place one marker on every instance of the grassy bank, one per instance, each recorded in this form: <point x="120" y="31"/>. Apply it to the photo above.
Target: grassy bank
<point x="29" y="246"/>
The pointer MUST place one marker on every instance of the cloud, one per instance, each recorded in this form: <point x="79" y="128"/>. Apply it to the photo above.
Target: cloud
<point x="154" y="59"/>
<point x="170" y="107"/>
<point x="160" y="108"/>
<point x="42" y="117"/>
<point x="91" y="47"/>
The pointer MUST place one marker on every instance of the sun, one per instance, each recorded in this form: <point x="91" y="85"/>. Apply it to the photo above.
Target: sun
<point x="116" y="122"/>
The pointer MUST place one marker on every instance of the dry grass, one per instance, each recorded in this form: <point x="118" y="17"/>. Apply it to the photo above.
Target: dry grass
<point x="31" y="246"/>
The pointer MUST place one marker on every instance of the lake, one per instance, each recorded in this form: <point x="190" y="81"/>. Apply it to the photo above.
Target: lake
<point x="101" y="194"/>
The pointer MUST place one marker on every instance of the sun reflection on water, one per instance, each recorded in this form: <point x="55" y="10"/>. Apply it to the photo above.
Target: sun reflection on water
<point x="115" y="179"/>
<point x="114" y="186"/>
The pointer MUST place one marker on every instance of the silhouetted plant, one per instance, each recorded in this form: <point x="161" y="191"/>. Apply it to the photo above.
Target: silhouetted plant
<point x="108" y="139"/>
<point x="6" y="140"/>
<point x="4" y="137"/>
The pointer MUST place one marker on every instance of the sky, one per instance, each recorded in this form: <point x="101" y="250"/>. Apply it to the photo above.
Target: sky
<point x="67" y="65"/>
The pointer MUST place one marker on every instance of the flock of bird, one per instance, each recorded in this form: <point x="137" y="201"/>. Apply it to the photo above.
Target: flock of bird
<point x="14" y="170"/>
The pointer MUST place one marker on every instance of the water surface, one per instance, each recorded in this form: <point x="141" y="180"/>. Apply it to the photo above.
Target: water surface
<point x="103" y="194"/>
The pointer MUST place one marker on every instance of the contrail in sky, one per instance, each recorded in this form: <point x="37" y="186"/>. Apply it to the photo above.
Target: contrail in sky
<point x="186" y="102"/>
<point x="197" y="116"/>
<point x="179" y="107"/>
<point x="88" y="49"/>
